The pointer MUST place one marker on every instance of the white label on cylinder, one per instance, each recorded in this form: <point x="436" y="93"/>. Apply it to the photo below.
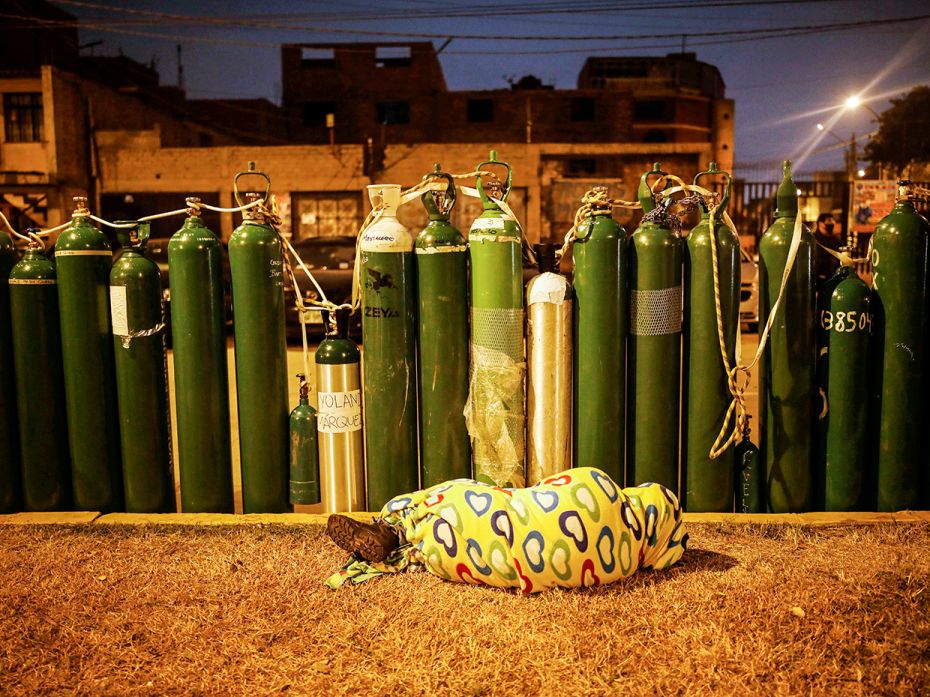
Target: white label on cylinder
<point x="339" y="412"/>
<point x="118" y="315"/>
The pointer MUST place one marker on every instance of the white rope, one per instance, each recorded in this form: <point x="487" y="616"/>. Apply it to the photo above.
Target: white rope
<point x="84" y="213"/>
<point x="193" y="206"/>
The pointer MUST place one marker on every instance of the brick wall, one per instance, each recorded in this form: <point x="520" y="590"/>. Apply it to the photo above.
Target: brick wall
<point x="291" y="168"/>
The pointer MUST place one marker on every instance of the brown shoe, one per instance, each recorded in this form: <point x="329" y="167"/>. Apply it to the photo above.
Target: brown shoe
<point x="373" y="542"/>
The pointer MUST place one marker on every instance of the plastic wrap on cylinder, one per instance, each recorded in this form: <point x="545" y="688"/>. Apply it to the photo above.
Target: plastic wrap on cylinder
<point x="496" y="430"/>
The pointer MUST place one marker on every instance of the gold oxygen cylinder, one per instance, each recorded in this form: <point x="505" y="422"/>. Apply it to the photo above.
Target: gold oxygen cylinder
<point x="339" y="418"/>
<point x="549" y="354"/>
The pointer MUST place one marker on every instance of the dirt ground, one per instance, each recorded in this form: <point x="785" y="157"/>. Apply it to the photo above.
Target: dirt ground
<point x="754" y="610"/>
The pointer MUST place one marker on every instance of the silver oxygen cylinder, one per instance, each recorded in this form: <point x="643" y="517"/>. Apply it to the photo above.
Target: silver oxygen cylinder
<point x="339" y="418"/>
<point x="549" y="357"/>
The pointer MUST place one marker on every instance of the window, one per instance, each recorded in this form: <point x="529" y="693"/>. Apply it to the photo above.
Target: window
<point x="315" y="112"/>
<point x="326" y="214"/>
<point x="317" y="57"/>
<point x="582" y="109"/>
<point x="581" y="167"/>
<point x="480" y="110"/>
<point x="651" y="110"/>
<point x="655" y="136"/>
<point x="392" y="56"/>
<point x="22" y="117"/>
<point x="393" y="112"/>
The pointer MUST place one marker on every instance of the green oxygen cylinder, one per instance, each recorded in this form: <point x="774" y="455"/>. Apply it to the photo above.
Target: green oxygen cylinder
<point x="256" y="264"/>
<point x="339" y="419"/>
<point x="900" y="278"/>
<point x="10" y="476"/>
<point x="750" y="475"/>
<point x="305" y="456"/>
<point x="442" y="289"/>
<point x="389" y="340"/>
<point x="786" y="377"/>
<point x="601" y="284"/>
<point x="654" y="349"/>
<point x="137" y="317"/>
<point x="844" y="360"/>
<point x="83" y="259"/>
<point x="708" y="483"/>
<point x="43" y="422"/>
<point x="496" y="412"/>
<point x="198" y="333"/>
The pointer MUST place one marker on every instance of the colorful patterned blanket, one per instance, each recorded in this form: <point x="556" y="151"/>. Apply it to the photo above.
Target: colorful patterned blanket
<point x="575" y="529"/>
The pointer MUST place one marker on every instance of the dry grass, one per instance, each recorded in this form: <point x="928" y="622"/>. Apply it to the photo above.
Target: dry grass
<point x="764" y="610"/>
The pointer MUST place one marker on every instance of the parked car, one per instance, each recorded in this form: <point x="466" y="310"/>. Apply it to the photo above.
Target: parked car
<point x="331" y="260"/>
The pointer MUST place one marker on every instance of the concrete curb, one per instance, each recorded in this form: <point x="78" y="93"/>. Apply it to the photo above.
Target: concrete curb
<point x="214" y="519"/>
<point x="220" y="519"/>
<point x="49" y="518"/>
<point x="819" y="519"/>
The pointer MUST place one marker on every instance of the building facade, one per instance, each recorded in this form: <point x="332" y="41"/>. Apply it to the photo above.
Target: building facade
<point x="351" y="115"/>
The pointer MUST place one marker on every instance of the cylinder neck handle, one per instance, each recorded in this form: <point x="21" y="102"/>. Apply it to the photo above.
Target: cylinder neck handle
<point x="646" y="198"/>
<point x="498" y="190"/>
<point x="438" y="204"/>
<point x="712" y="170"/>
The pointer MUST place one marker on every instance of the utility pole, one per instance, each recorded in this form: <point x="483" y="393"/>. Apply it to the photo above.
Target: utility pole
<point x="852" y="158"/>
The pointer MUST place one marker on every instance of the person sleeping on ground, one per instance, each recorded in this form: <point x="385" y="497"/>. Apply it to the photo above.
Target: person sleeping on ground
<point x="574" y="529"/>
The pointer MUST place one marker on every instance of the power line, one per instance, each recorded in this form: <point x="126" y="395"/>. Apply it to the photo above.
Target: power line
<point x="496" y="10"/>
<point x="590" y="7"/>
<point x="640" y="47"/>
<point x="201" y="20"/>
<point x="32" y="22"/>
<point x="253" y="43"/>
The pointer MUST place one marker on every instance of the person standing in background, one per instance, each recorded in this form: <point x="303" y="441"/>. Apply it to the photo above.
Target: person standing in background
<point x="828" y="235"/>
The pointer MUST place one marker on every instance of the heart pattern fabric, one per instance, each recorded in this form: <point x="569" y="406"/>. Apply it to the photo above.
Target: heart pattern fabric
<point x="575" y="529"/>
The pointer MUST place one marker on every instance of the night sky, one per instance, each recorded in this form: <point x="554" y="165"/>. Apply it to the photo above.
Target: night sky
<point x="782" y="86"/>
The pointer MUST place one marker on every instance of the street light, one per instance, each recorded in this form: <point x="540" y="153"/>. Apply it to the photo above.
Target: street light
<point x="854" y="101"/>
<point x="821" y="127"/>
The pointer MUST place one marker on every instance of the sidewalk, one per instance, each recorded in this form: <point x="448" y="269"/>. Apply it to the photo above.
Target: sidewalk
<point x="819" y="519"/>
